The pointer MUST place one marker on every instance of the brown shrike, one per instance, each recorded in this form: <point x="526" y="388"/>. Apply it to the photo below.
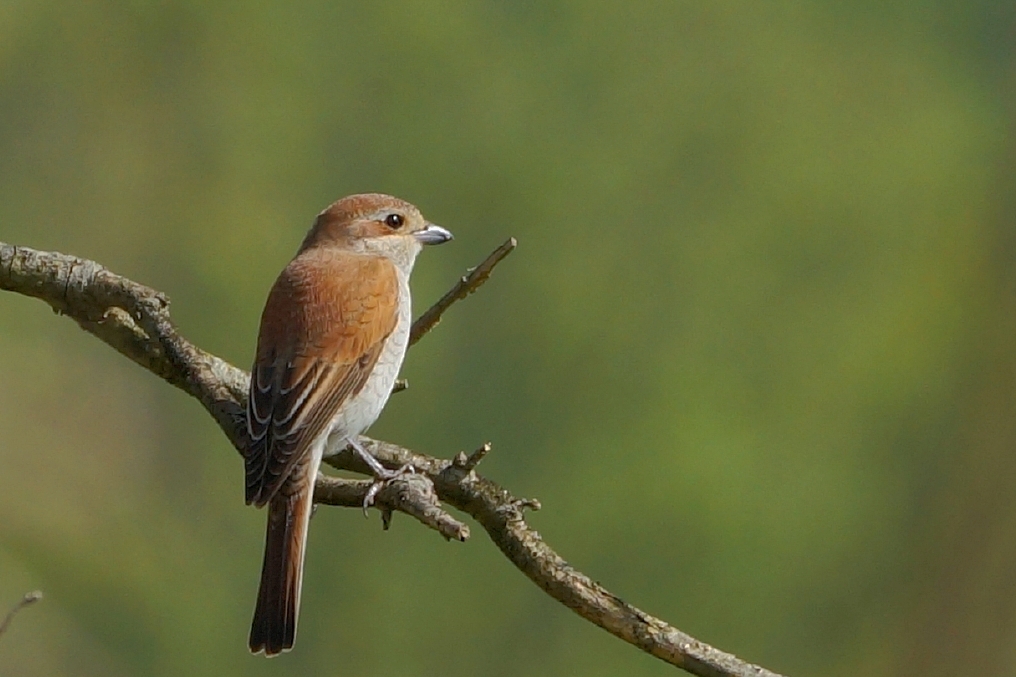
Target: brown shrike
<point x="333" y="335"/>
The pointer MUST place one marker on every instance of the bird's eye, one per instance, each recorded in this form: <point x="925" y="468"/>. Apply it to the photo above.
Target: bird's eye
<point x="394" y="220"/>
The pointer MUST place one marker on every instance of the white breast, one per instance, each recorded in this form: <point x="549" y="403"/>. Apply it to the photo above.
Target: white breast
<point x="362" y="409"/>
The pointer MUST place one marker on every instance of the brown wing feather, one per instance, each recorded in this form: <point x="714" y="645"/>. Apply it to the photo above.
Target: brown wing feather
<point x="322" y="331"/>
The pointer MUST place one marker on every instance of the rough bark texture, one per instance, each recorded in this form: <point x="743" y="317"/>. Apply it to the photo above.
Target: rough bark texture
<point x="135" y="320"/>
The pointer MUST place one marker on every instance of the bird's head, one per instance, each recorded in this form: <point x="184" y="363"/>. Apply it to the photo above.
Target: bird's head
<point x="373" y="223"/>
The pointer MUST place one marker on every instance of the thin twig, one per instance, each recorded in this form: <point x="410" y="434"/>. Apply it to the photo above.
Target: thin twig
<point x="135" y="321"/>
<point x="466" y="285"/>
<point x="28" y="600"/>
<point x="468" y="463"/>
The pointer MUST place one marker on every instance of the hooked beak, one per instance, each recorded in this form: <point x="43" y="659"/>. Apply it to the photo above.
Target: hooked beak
<point x="432" y="235"/>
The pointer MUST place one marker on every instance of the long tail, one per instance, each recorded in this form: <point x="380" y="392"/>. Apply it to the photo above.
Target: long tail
<point x="273" y="629"/>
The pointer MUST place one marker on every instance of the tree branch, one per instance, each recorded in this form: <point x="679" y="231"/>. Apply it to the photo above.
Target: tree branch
<point x="412" y="494"/>
<point x="134" y="320"/>
<point x="466" y="285"/>
<point x="29" y="599"/>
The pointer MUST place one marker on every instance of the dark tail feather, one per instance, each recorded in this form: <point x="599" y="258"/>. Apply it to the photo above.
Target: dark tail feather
<point x="273" y="629"/>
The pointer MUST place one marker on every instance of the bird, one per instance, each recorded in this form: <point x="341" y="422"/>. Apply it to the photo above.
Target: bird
<point x="332" y="338"/>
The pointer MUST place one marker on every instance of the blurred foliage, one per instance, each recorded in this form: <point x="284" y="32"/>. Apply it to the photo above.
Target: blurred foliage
<point x="755" y="353"/>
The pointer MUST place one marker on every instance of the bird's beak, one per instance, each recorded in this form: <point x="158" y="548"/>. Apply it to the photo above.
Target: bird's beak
<point x="432" y="235"/>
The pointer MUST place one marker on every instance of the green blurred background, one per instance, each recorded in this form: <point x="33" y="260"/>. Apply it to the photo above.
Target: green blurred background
<point x="755" y="354"/>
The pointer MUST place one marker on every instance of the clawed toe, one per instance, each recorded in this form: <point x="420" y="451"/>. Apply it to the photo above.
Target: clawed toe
<point x="372" y="492"/>
<point x="383" y="478"/>
<point x="382" y="475"/>
<point x="407" y="469"/>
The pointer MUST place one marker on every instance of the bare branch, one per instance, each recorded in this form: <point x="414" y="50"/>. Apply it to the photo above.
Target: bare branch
<point x="470" y="462"/>
<point x="502" y="516"/>
<point x="466" y="285"/>
<point x="134" y="320"/>
<point x="28" y="600"/>
<point x="412" y="494"/>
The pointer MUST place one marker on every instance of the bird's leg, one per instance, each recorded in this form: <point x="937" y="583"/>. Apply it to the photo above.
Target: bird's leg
<point x="382" y="475"/>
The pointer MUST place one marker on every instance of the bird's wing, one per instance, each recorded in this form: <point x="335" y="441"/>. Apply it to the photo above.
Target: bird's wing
<point x="322" y="331"/>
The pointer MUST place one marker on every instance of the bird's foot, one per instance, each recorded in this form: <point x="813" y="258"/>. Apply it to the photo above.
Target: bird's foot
<point x="382" y="475"/>
<point x="381" y="481"/>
